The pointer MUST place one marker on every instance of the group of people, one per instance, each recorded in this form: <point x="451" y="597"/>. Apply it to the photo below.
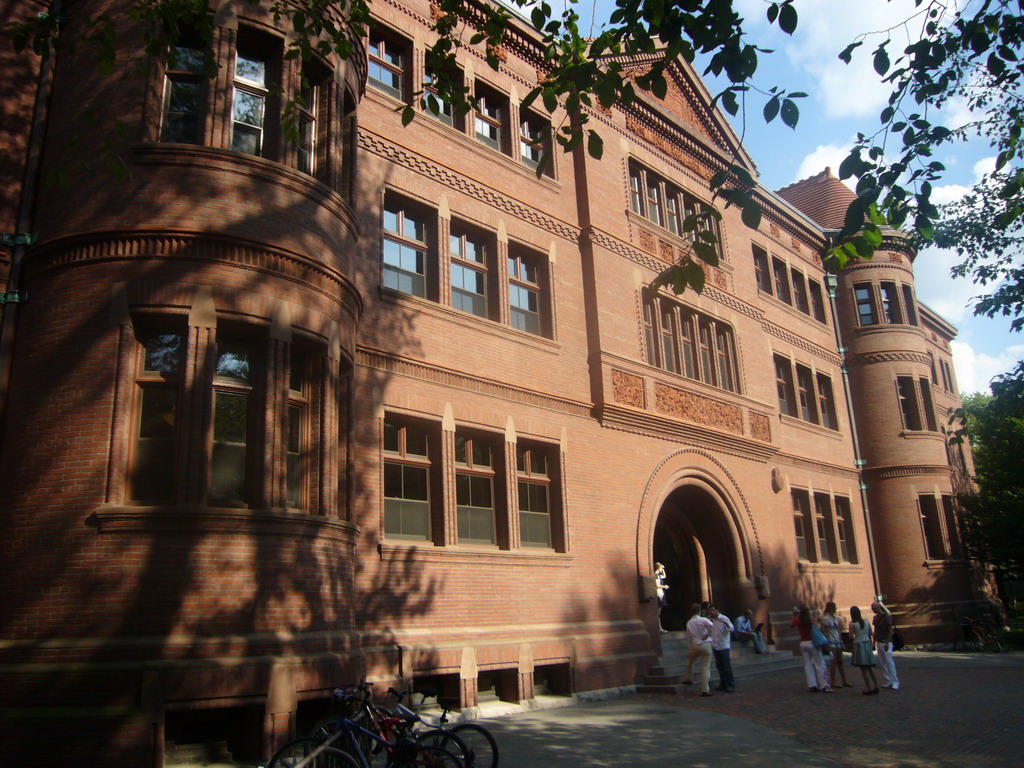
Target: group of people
<point x="821" y="634"/>
<point x="710" y="633"/>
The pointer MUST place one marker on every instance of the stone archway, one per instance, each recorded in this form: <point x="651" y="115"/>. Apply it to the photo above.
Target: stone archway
<point x="696" y="541"/>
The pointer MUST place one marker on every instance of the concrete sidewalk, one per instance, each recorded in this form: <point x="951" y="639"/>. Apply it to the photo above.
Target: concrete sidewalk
<point x="954" y="710"/>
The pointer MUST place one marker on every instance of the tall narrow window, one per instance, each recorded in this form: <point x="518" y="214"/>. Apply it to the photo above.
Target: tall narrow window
<point x="781" y="281"/>
<point x="652" y="192"/>
<point x="891" y="303"/>
<point x="232" y="407"/>
<point x="934" y="544"/>
<point x="909" y="410"/>
<point x="524" y="293"/>
<point x="825" y="527"/>
<point x="474" y="489"/>
<point x="673" y="216"/>
<point x="826" y="402"/>
<point x="800" y="300"/>
<point x="706" y="342"/>
<point x="817" y="301"/>
<point x="469" y="273"/>
<point x="635" y="196"/>
<point x="723" y="350"/>
<point x="158" y="381"/>
<point x="297" y="433"/>
<point x="183" y="88"/>
<point x="650" y="342"/>
<point x="952" y="527"/>
<point x="669" y="345"/>
<point x="805" y="394"/>
<point x="865" y="304"/>
<point x="926" y="404"/>
<point x="533" y="137"/>
<point x="490" y="117"/>
<point x="910" y="304"/>
<point x="406" y="480"/>
<point x="688" y="344"/>
<point x="250" y="106"/>
<point x="307" y="116"/>
<point x="784" y="386"/>
<point x="761" y="271"/>
<point x="534" y="497"/>
<point x="802" y="525"/>
<point x="405" y="249"/>
<point x="386" y="65"/>
<point x="844" y="528"/>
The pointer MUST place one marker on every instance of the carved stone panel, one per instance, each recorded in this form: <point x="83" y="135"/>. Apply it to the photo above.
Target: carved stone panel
<point x="760" y="427"/>
<point x="647" y="241"/>
<point x="697" y="408"/>
<point x="628" y="389"/>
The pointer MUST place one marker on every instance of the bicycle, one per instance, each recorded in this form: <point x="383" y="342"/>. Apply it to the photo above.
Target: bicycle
<point x="985" y="636"/>
<point x="479" y="746"/>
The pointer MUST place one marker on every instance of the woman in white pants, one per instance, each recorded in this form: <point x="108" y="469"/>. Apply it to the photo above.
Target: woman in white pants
<point x="814" y="664"/>
<point x="883" y="624"/>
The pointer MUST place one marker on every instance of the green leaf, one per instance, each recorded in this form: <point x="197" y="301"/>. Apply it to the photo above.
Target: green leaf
<point x="751" y="214"/>
<point x="787" y="19"/>
<point x="790" y="113"/>
<point x="771" y="109"/>
<point x="707" y="253"/>
<point x="595" y="145"/>
<point x="881" y="61"/>
<point x="408" y="113"/>
<point x="847" y="53"/>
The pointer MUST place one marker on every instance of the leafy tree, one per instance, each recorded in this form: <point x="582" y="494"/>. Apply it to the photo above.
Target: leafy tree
<point x="993" y="519"/>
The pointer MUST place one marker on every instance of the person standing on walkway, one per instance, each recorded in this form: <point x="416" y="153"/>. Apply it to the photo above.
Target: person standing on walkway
<point x="660" y="586"/>
<point x="862" y="656"/>
<point x="721" y="643"/>
<point x="814" y="664"/>
<point x="832" y="629"/>
<point x="698" y="632"/>
<point x="883" y="644"/>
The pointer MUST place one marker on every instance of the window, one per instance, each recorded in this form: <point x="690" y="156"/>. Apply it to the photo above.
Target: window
<point x="864" y="297"/>
<point x="910" y="304"/>
<point x="800" y="300"/>
<point x="909" y="410"/>
<point x="444" y="111"/>
<point x="802" y="526"/>
<point x="250" y="104"/>
<point x="934" y="370"/>
<point x="474" y="489"/>
<point x="761" y="272"/>
<point x="952" y="527"/>
<point x="183" y="91"/>
<point x="784" y="386"/>
<point x="405" y="248"/>
<point x="947" y="375"/>
<point x="307" y="104"/>
<point x="650" y="345"/>
<point x="666" y="205"/>
<point x="387" y="63"/>
<point x="468" y="271"/>
<point x="825" y="528"/>
<point x="691" y="344"/>
<point x="491" y="117"/>
<point x="533" y="483"/>
<point x="525" y="291"/>
<point x="817" y="301"/>
<point x="406" y="480"/>
<point x="297" y="430"/>
<point x="826" y="402"/>
<point x="780" y="280"/>
<point x="844" y="529"/>
<point x="891" y="303"/>
<point x="158" y="383"/>
<point x="233" y="407"/>
<point x="533" y="140"/>
<point x="931" y="524"/>
<point x="805" y="394"/>
<point x="926" y="404"/>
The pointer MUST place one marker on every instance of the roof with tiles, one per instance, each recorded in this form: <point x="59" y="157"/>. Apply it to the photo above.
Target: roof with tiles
<point x="823" y="198"/>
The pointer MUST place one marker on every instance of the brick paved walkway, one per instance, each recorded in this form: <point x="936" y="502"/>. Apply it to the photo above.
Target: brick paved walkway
<point x="962" y="710"/>
<point x="953" y="711"/>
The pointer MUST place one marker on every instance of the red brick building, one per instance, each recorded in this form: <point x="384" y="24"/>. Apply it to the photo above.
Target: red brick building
<point x="381" y="402"/>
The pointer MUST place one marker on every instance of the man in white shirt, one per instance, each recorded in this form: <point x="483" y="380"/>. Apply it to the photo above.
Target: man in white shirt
<point x="698" y="631"/>
<point x="721" y="632"/>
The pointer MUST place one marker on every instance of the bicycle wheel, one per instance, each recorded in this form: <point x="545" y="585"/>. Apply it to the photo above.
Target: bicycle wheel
<point x="431" y="757"/>
<point x="480" y="742"/>
<point x="445" y="739"/>
<point x="295" y="753"/>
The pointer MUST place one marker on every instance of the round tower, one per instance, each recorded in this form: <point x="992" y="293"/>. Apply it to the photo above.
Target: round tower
<point x="176" y="423"/>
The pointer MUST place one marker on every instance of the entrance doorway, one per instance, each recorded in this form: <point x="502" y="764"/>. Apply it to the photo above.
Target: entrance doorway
<point x="694" y="540"/>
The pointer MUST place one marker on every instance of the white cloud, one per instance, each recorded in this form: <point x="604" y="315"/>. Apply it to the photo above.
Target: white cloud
<point x="951" y="298"/>
<point x="974" y="370"/>
<point x="824" y="156"/>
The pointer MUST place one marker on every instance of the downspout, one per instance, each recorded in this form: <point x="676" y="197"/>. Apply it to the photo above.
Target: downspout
<point x="26" y="205"/>
<point x="832" y="284"/>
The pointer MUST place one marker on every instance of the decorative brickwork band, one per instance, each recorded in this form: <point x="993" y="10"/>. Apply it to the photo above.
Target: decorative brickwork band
<point x="628" y="389"/>
<point x="697" y="408"/>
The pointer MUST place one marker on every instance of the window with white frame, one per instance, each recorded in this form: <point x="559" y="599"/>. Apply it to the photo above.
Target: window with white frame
<point x="526" y="291"/>
<point x="183" y="94"/>
<point x="534" y="135"/>
<point x="470" y="257"/>
<point x="405" y="247"/>
<point x="251" y="91"/>
<point x="533" y="480"/>
<point x="388" y="59"/>
<point x="158" y="393"/>
<point x="475" y="488"/>
<point x="491" y="117"/>
<point x="668" y="206"/>
<point x="690" y="343"/>
<point x="407" y="468"/>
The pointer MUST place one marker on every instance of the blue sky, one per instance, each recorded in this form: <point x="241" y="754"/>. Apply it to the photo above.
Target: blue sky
<point x="843" y="100"/>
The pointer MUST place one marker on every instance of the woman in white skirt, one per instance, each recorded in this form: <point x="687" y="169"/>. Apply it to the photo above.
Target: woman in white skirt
<point x="863" y="656"/>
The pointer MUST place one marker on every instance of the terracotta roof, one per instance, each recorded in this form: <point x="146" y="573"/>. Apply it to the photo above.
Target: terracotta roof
<point x="823" y="198"/>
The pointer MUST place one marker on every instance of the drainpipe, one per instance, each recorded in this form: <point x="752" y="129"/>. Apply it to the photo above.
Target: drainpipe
<point x="832" y="284"/>
<point x="26" y="204"/>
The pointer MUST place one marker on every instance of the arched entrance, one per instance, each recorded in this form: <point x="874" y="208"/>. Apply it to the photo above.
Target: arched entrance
<point x="696" y="542"/>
